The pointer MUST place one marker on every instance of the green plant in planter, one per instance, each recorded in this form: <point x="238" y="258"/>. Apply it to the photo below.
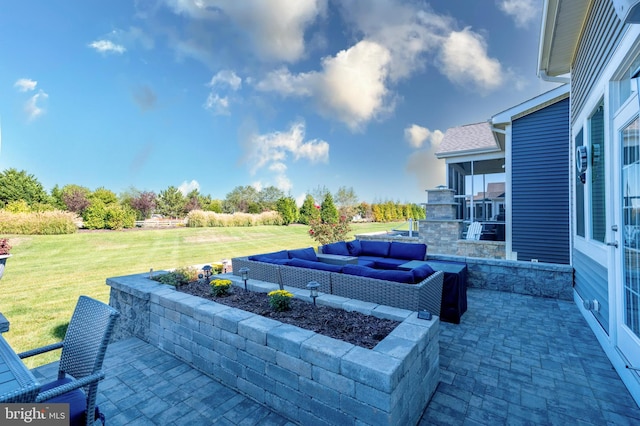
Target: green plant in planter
<point x="279" y="300"/>
<point x="220" y="287"/>
<point x="178" y="277"/>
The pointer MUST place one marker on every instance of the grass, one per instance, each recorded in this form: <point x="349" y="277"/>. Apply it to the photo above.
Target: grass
<point x="47" y="273"/>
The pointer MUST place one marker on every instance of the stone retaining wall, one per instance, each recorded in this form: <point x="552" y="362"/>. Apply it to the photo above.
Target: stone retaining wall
<point x="535" y="279"/>
<point x="307" y="377"/>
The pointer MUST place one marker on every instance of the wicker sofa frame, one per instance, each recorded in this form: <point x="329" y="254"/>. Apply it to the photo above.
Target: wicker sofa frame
<point x="426" y="295"/>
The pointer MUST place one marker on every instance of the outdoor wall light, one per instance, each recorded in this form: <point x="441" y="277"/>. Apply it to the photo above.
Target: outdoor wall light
<point x="207" y="270"/>
<point x="244" y="274"/>
<point x="225" y="265"/>
<point x="313" y="290"/>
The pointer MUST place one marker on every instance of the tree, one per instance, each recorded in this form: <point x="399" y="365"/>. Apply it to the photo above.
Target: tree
<point x="19" y="185"/>
<point x="346" y="201"/>
<point x="75" y="198"/>
<point x="287" y="208"/>
<point x="319" y="192"/>
<point x="171" y="202"/>
<point x="269" y="196"/>
<point x="192" y="201"/>
<point x="308" y="211"/>
<point x="239" y="199"/>
<point x="105" y="195"/>
<point x="328" y="211"/>
<point x="144" y="204"/>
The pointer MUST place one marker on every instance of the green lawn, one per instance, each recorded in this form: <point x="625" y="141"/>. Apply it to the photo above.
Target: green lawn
<point x="47" y="273"/>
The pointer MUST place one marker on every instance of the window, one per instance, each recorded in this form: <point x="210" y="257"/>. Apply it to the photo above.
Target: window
<point x="580" y="191"/>
<point x="596" y="154"/>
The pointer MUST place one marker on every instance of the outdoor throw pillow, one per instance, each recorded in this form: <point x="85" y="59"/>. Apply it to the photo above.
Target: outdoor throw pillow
<point x="306" y="253"/>
<point x="421" y="272"/>
<point x="336" y="248"/>
<point x="409" y="251"/>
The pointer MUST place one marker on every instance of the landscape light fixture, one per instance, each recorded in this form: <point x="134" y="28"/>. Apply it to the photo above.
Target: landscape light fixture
<point x="225" y="265"/>
<point x="207" y="270"/>
<point x="244" y="273"/>
<point x="313" y="290"/>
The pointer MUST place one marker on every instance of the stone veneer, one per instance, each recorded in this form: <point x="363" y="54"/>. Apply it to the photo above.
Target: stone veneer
<point x="307" y="377"/>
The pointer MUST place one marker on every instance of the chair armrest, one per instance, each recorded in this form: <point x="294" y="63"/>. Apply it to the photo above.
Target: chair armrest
<point x="68" y="387"/>
<point x="41" y="350"/>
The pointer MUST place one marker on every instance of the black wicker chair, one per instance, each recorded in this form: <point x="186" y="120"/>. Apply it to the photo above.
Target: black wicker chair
<point x="83" y="350"/>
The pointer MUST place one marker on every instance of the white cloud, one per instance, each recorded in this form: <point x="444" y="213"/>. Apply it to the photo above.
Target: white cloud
<point x="466" y="63"/>
<point x="350" y="88"/>
<point x="25" y="84"/>
<point x="271" y="151"/>
<point x="416" y="135"/>
<point x="186" y="187"/>
<point x="223" y="81"/>
<point x="33" y="107"/>
<point x="216" y="104"/>
<point x="226" y="78"/>
<point x="275" y="28"/>
<point x="523" y="12"/>
<point x="107" y="46"/>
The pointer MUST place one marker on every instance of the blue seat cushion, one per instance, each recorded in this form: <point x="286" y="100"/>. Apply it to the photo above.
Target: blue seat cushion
<point x="336" y="248"/>
<point x="76" y="399"/>
<point x="421" y="273"/>
<point x="282" y="254"/>
<point x="306" y="254"/>
<point x="374" y="248"/>
<point x="408" y="251"/>
<point x="302" y="263"/>
<point x="354" y="247"/>
<point x="389" y="263"/>
<point x="366" y="262"/>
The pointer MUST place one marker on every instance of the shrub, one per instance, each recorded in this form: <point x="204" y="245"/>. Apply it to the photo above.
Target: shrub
<point x="199" y="218"/>
<point x="326" y="233"/>
<point x="5" y="247"/>
<point x="280" y="300"/>
<point x="178" y="276"/>
<point x="220" y="287"/>
<point x="45" y="223"/>
<point x="118" y="217"/>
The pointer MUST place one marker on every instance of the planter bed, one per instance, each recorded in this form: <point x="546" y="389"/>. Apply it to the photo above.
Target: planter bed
<point x="307" y="377"/>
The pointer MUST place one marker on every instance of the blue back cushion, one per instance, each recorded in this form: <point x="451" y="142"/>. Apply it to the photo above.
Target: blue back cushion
<point x="359" y="270"/>
<point x="336" y="248"/>
<point x="375" y="248"/>
<point x="301" y="263"/>
<point x="421" y="272"/>
<point x="306" y="253"/>
<point x="283" y="254"/>
<point x="267" y="259"/>
<point x="408" y="251"/>
<point x="354" y="247"/>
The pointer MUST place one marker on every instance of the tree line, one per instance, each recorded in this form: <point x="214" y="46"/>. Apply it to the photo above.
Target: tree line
<point x="101" y="208"/>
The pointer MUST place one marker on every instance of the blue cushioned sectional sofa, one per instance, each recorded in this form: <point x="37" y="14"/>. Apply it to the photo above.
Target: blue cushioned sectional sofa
<point x="375" y="278"/>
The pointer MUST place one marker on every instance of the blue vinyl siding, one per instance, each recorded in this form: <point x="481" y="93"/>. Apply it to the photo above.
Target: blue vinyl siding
<point x="591" y="282"/>
<point x="540" y="184"/>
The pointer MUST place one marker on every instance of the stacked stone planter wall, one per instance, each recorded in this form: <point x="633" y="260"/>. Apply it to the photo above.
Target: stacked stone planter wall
<point x="307" y="377"/>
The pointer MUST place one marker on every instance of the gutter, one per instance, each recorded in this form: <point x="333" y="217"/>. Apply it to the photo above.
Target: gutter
<point x="554" y="79"/>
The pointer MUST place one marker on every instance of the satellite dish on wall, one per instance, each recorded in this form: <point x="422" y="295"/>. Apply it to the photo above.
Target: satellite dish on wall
<point x="582" y="159"/>
<point x="628" y="10"/>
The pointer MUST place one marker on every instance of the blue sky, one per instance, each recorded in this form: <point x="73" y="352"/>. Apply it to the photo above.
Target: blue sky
<point x="212" y="94"/>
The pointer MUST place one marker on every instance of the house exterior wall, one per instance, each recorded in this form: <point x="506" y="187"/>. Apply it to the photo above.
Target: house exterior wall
<point x="590" y="282"/>
<point x="540" y="147"/>
<point x="602" y="33"/>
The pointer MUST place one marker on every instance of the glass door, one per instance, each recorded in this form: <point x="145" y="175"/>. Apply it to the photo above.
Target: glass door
<point x="628" y="253"/>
